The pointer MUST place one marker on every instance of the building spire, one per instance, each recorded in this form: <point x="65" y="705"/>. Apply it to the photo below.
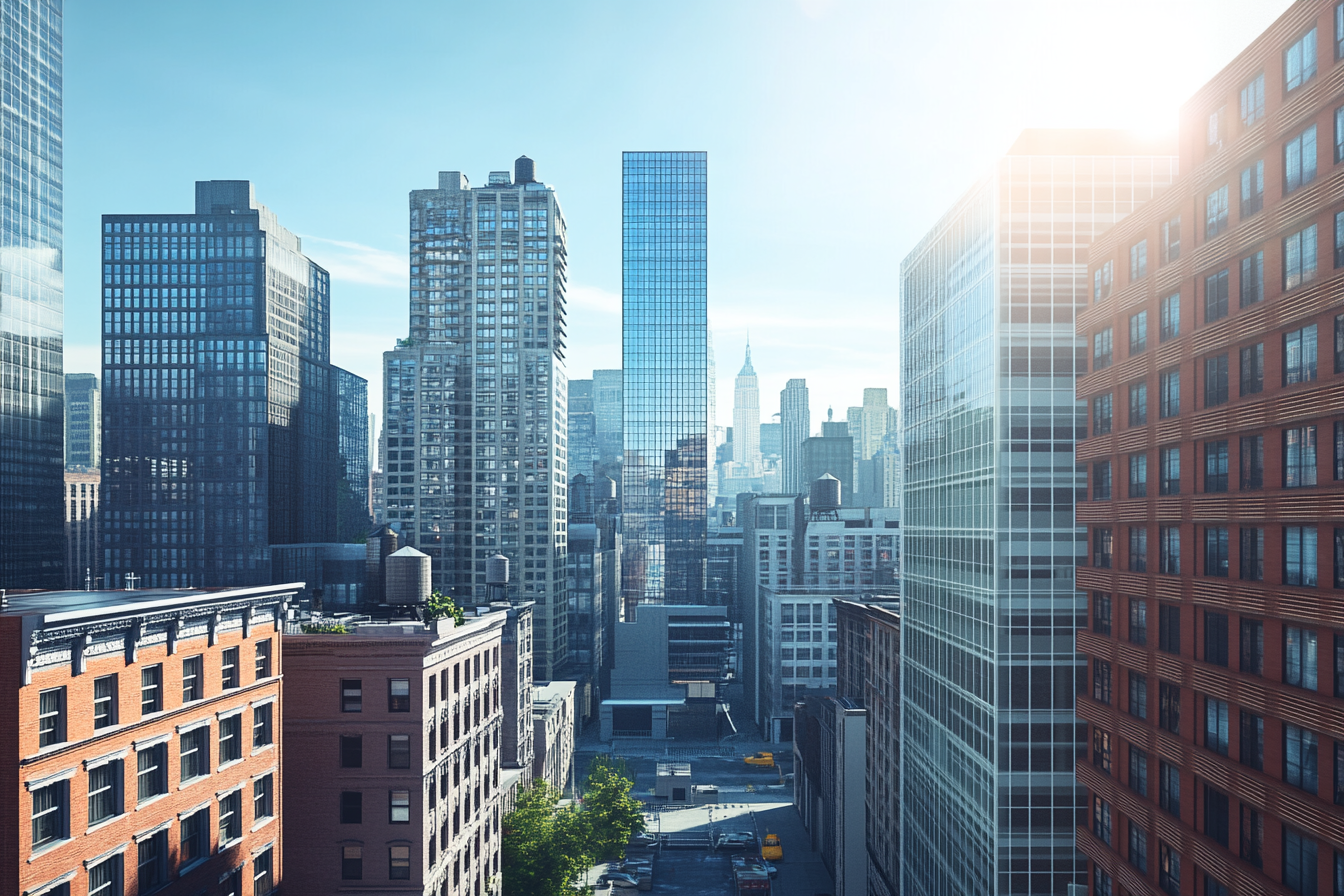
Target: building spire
<point x="746" y="366"/>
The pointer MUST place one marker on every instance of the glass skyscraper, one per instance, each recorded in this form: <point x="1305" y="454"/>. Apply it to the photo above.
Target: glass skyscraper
<point x="219" y="401"/>
<point x="990" y="607"/>
<point x="353" y="514"/>
<point x="664" y="332"/>
<point x="32" y="419"/>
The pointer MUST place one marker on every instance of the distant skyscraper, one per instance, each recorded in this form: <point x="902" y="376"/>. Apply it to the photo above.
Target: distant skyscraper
<point x="31" y="299"/>
<point x="607" y="411"/>
<point x="990" y="608"/>
<point x="83" y="421"/>
<point x="831" y="452"/>
<point x="581" y="443"/>
<point x="854" y="421"/>
<point x="354" y="508"/>
<point x="664" y="346"/>
<point x="795" y="419"/>
<point x="474" y="413"/>
<point x="220" y="400"/>
<point x="876" y="418"/>
<point x="747" y="419"/>
<point x="771" y="439"/>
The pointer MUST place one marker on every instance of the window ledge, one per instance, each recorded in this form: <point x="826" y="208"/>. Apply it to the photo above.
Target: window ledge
<point x="43" y="850"/>
<point x="192" y="866"/>
<point x="261" y="824"/>
<point x="225" y="845"/>
<point x="188" y="783"/>
<point x="99" y="825"/>
<point x="259" y="750"/>
<point x="223" y="765"/>
<point x="150" y="801"/>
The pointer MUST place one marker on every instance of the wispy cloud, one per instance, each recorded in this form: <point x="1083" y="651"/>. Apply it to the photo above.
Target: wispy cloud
<point x="358" y="263"/>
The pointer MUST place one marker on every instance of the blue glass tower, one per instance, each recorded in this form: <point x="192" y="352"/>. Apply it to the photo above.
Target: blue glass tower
<point x="665" y="395"/>
<point x="32" y="418"/>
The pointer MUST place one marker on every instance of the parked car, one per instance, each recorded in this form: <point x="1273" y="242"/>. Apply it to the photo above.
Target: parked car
<point x="736" y="840"/>
<point x="771" y="849"/>
<point x="618" y="879"/>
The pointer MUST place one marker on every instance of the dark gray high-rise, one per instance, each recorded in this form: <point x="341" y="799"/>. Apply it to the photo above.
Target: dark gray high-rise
<point x="353" y="513"/>
<point x="219" y="402"/>
<point x="32" y="420"/>
<point x="664" y="347"/>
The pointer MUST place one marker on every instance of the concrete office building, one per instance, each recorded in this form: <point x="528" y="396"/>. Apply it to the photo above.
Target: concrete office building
<point x="516" y="745"/>
<point x="393" y="776"/>
<point x="1214" y="643"/>
<point x="82" y="566"/>
<point x="354" y="507"/>
<point x="989" y="604"/>
<point x="665" y="365"/>
<point x="32" y="298"/>
<point x="771" y="527"/>
<point x="143" y="741"/>
<point x="220" y="404"/>
<point x="475" y="400"/>
<point x="554" y="727"/>
<point x="832" y="452"/>
<point x="83" y="422"/>
<point x="795" y="418"/>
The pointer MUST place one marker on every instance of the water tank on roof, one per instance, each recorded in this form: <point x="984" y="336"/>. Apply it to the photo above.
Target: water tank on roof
<point x="524" y="171"/>
<point x="605" y="489"/>
<point x="825" y="494"/>
<point x="408" y="577"/>
<point x="497" y="570"/>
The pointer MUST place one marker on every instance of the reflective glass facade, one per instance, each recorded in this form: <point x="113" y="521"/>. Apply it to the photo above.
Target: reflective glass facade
<point x="664" y="332"/>
<point x="353" y="506"/>
<point x="219" y="404"/>
<point x="990" y="607"/>
<point x="31" y="297"/>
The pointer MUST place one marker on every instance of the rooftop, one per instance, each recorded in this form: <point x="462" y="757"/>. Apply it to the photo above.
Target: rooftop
<point x="57" y="606"/>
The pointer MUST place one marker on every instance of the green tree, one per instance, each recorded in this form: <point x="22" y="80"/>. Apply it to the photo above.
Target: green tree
<point x="441" y="606"/>
<point x="546" y="846"/>
<point x="614" y="816"/>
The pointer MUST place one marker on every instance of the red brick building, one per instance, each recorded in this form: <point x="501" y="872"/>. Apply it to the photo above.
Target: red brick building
<point x="394" y="780"/>
<point x="1215" y="504"/>
<point x="140" y="742"/>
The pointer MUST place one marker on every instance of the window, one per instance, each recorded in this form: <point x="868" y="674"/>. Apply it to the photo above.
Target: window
<point x="352" y="751"/>
<point x="1138" y="260"/>
<point x="262" y="881"/>
<point x="195" y="753"/>
<point x="1252" y="369"/>
<point x="1339" y="773"/>
<point x="195" y="836"/>
<point x="1102" y="548"/>
<point x="1216" y="725"/>
<point x="51" y="717"/>
<point x="352" y="863"/>
<point x="1101" y="481"/>
<point x="1101" y="612"/>
<point x="152" y="862"/>
<point x="1138" y="621"/>
<point x="51" y="817"/>
<point x="1101" y="882"/>
<point x="229" y="668"/>
<point x="352" y="807"/>
<point x="1252" y="284"/>
<point x="398" y="695"/>
<point x="1171" y="318"/>
<point x="1215" y="551"/>
<point x="1101" y="820"/>
<point x="263" y="802"/>
<point x="263" y="659"/>
<point x="1215" y="466"/>
<point x="1299" y="355"/>
<point x="193" y="679"/>
<point x="1169" y="869"/>
<point x="1138" y="847"/>
<point x="1215" y="380"/>
<point x="398" y="751"/>
<point x="104" y="702"/>
<point x="1300" y="758"/>
<point x="1138" y="771"/>
<point x="1101" y="749"/>
<point x="1214" y="133"/>
<point x="1339" y="449"/>
<point x="230" y="738"/>
<point x="1138" y="404"/>
<point x="1252" y="462"/>
<point x="1169" y="468"/>
<point x="1299" y="556"/>
<point x="1299" y="862"/>
<point x="151" y="689"/>
<point x="151" y="775"/>
<point x="399" y="862"/>
<point x="1252" y="554"/>
<point x="1214" y="888"/>
<point x="261" y="726"/>
<point x="1215" y="212"/>
<point x="1138" y="695"/>
<point x="1339" y="665"/>
<point x="1299" y="257"/>
<point x="1138" y="549"/>
<point x="1251" y="740"/>
<point x="1169" y="550"/>
<point x="1252" y="836"/>
<point x="1101" y="349"/>
<point x="1339" y="559"/>
<point x="1169" y="707"/>
<point x="105" y="878"/>
<point x="1101" y="415"/>
<point x="1339" y="54"/>
<point x="1253" y="101"/>
<point x="1169" y="385"/>
<point x="1252" y="643"/>
<point x="1101" y="281"/>
<point x="1101" y="681"/>
<point x="1169" y="628"/>
<point x="1299" y="61"/>
<point x="352" y="695"/>
<point x="1138" y="331"/>
<point x="1215" y="638"/>
<point x="105" y="791"/>
<point x="1215" y="296"/>
<point x="1138" y="475"/>
<point x="230" y="817"/>
<point x="1171" y="240"/>
<point x="1216" y="815"/>
<point x="1300" y="658"/>
<point x="399" y="806"/>
<point x="1339" y="343"/>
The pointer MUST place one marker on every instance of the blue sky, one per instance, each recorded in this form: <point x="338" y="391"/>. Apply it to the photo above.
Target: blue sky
<point x="837" y="133"/>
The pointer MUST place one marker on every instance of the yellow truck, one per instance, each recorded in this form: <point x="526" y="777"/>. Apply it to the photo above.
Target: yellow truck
<point x="771" y="849"/>
<point x="766" y="760"/>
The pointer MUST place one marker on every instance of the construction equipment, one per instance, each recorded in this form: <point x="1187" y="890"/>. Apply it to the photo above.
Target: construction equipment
<point x="765" y="760"/>
<point x="771" y="849"/>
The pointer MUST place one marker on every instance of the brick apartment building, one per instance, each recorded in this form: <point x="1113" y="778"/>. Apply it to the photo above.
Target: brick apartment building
<point x="141" y="744"/>
<point x="1215" y="464"/>
<point x="395" y="782"/>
